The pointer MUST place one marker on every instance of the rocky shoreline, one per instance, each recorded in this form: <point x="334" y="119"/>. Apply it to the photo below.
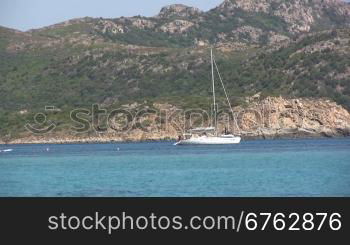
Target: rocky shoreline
<point x="268" y="118"/>
<point x="294" y="135"/>
<point x="263" y="134"/>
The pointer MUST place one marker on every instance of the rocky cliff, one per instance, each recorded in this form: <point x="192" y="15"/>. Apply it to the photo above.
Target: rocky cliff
<point x="278" y="117"/>
<point x="269" y="118"/>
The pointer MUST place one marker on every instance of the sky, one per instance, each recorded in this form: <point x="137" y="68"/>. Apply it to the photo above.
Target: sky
<point x="29" y="14"/>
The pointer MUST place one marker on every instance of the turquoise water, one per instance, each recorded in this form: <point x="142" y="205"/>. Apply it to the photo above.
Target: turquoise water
<point x="254" y="169"/>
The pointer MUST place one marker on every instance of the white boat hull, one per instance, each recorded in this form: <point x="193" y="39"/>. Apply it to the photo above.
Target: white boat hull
<point x="210" y="141"/>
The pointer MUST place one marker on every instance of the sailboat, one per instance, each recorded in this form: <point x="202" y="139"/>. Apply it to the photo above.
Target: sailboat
<point x="210" y="135"/>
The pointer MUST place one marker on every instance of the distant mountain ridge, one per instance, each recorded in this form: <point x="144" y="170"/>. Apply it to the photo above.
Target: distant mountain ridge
<point x="233" y="21"/>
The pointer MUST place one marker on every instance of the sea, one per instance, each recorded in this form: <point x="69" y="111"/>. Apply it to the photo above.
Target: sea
<point x="260" y="168"/>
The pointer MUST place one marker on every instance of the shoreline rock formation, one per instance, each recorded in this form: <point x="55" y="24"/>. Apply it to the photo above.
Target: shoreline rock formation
<point x="269" y="118"/>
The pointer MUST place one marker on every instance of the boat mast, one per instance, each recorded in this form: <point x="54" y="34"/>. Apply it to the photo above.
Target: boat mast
<point x="213" y="81"/>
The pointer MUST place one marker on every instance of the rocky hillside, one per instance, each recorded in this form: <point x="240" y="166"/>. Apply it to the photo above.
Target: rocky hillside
<point x="296" y="48"/>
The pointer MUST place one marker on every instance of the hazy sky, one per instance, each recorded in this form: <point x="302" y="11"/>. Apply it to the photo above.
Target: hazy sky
<point x="28" y="14"/>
